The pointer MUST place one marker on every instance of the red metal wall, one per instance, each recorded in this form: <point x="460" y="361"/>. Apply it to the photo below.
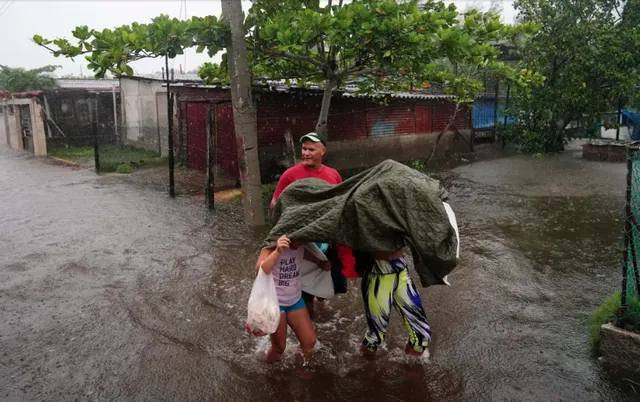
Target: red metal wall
<point x="226" y="152"/>
<point x="279" y="112"/>
<point x="349" y="119"/>
<point x="196" y="124"/>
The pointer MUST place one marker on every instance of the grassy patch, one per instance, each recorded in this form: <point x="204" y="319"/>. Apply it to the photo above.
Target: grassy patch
<point x="112" y="156"/>
<point x="124" y="168"/>
<point x="609" y="312"/>
<point x="605" y="313"/>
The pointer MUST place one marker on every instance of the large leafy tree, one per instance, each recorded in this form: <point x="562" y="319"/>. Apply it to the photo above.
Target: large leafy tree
<point x="20" y="79"/>
<point x="588" y="50"/>
<point x="376" y="45"/>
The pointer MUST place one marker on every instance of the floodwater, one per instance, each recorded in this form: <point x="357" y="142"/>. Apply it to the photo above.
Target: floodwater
<point x="113" y="291"/>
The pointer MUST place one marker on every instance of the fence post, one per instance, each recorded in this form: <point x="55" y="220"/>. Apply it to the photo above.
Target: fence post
<point x="96" y="141"/>
<point x="96" y="147"/>
<point x="495" y="109"/>
<point x="627" y="229"/>
<point x="172" y="186"/>
<point x="506" y="104"/>
<point x="618" y="119"/>
<point x="210" y="160"/>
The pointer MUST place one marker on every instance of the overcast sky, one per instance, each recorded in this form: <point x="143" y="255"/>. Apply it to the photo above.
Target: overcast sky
<point x="21" y="19"/>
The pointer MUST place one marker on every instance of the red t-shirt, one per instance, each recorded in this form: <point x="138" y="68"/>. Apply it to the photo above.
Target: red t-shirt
<point x="300" y="171"/>
<point x="331" y="176"/>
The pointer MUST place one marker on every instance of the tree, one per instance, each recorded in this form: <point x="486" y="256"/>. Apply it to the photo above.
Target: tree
<point x="244" y="113"/>
<point x="589" y="56"/>
<point x="378" y="45"/>
<point x="21" y="80"/>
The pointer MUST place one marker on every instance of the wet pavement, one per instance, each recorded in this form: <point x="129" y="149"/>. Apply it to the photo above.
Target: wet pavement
<point x="110" y="290"/>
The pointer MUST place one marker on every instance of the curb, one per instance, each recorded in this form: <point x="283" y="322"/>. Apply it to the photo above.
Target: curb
<point x="226" y="195"/>
<point x="68" y="162"/>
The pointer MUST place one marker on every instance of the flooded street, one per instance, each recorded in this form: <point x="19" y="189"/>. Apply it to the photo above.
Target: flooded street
<point x="112" y="291"/>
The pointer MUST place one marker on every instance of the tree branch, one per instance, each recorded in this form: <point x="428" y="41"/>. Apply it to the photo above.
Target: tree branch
<point x="358" y="70"/>
<point x="55" y="51"/>
<point x="305" y="59"/>
<point x="446" y="128"/>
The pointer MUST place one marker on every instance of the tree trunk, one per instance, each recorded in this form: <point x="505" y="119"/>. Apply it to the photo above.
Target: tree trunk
<point x="321" y="125"/>
<point x="446" y="128"/>
<point x="244" y="115"/>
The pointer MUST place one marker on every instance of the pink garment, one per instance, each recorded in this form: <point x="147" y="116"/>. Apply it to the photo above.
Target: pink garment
<point x="286" y="275"/>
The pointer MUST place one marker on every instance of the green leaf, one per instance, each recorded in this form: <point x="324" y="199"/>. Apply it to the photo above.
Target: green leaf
<point x="128" y="70"/>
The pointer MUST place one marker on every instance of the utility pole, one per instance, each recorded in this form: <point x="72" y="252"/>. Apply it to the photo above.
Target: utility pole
<point x="244" y="115"/>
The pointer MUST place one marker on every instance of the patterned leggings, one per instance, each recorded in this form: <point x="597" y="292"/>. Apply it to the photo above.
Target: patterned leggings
<point x="379" y="293"/>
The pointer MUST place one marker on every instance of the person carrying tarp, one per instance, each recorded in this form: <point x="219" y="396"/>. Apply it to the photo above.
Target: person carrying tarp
<point x="386" y="283"/>
<point x="376" y="213"/>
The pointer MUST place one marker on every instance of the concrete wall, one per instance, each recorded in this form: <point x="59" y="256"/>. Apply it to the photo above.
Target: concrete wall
<point x="141" y="110"/>
<point x="15" y="137"/>
<point x="39" y="132"/>
<point x="625" y="133"/>
<point x="4" y="139"/>
<point x="10" y="121"/>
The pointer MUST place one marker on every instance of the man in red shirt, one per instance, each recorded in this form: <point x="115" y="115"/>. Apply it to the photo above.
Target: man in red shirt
<point x="313" y="150"/>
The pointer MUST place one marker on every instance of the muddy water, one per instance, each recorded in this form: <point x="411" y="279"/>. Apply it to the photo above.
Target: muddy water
<point x="110" y="291"/>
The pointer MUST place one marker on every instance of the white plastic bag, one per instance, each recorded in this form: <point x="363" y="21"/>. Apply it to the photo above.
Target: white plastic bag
<point x="454" y="224"/>
<point x="263" y="308"/>
<point x="313" y="279"/>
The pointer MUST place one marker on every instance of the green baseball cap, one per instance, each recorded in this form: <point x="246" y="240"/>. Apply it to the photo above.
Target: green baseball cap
<point x="313" y="137"/>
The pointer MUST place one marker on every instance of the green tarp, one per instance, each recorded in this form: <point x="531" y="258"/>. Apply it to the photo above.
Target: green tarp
<point x="380" y="209"/>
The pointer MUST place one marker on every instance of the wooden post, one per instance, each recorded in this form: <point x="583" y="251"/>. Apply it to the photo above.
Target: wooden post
<point x="288" y="139"/>
<point x="210" y="158"/>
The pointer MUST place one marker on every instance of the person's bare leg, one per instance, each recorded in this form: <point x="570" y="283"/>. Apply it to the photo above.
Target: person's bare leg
<point x="278" y="341"/>
<point x="310" y="308"/>
<point x="320" y="305"/>
<point x="300" y="323"/>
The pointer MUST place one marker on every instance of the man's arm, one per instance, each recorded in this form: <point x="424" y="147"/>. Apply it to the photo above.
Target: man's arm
<point x="282" y="184"/>
<point x="338" y="177"/>
<point x="326" y="265"/>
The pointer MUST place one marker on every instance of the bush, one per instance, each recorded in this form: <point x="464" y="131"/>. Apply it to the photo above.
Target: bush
<point x="418" y="165"/>
<point x="124" y="168"/>
<point x="268" y="189"/>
